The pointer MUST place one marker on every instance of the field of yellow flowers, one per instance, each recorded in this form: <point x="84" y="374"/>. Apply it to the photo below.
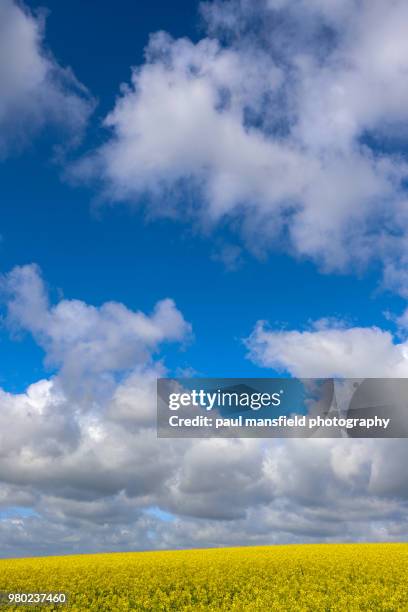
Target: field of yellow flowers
<point x="329" y="577"/>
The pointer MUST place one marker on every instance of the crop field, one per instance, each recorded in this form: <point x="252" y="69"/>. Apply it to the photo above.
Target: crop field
<point x="341" y="577"/>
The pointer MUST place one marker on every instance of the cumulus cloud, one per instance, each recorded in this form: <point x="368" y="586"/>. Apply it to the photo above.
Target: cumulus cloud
<point x="83" y="340"/>
<point x="83" y="448"/>
<point x="327" y="350"/>
<point x="83" y="470"/>
<point x="288" y="120"/>
<point x="34" y="89"/>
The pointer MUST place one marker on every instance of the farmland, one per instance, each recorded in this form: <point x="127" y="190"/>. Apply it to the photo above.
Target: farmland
<point x="321" y="577"/>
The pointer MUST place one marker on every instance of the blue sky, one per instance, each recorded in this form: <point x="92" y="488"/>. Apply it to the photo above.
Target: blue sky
<point x="97" y="252"/>
<point x="237" y="208"/>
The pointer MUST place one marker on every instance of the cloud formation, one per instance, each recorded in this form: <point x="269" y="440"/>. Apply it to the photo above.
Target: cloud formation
<point x="87" y="343"/>
<point x="35" y="90"/>
<point x="295" y="139"/>
<point x="288" y="120"/>
<point x="326" y="350"/>
<point x="81" y="468"/>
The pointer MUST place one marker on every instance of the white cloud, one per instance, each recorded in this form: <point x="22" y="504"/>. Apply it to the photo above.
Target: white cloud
<point x="295" y="137"/>
<point x="34" y="89"/>
<point x="83" y="340"/>
<point x="85" y="471"/>
<point x="325" y="351"/>
<point x="83" y="447"/>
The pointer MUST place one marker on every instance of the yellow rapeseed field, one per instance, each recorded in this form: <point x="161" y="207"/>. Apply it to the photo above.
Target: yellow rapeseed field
<point x="329" y="577"/>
